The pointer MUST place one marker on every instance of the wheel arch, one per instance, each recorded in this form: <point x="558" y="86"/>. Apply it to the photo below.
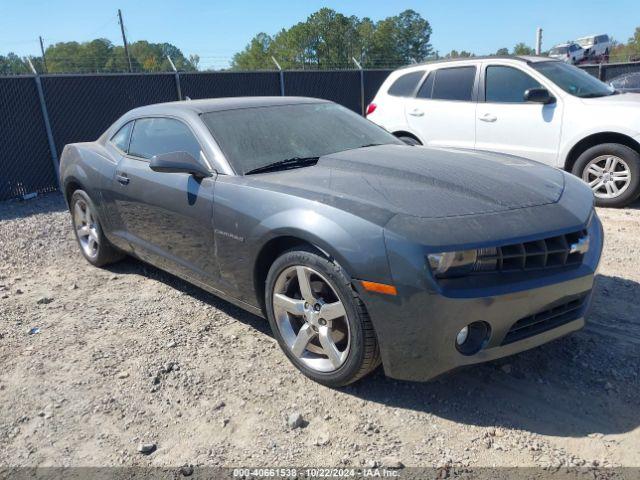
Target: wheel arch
<point x="404" y="133"/>
<point x="598" y="139"/>
<point x="268" y="254"/>
<point x="70" y="185"/>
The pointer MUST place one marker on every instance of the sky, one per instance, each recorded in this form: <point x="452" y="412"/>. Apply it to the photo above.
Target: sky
<point x="216" y="30"/>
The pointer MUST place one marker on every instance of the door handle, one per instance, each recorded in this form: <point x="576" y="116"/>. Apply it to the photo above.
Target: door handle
<point x="487" y="117"/>
<point x="122" y="179"/>
<point x="416" y="112"/>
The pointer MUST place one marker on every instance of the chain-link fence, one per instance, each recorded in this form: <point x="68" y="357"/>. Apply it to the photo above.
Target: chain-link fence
<point x="80" y="107"/>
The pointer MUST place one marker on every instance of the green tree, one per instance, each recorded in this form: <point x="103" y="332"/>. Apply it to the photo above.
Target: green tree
<point x="502" y="51"/>
<point x="461" y="54"/>
<point x="629" y="51"/>
<point x="12" y="64"/>
<point x="523" y="49"/>
<point x="101" y="55"/>
<point x="328" y="39"/>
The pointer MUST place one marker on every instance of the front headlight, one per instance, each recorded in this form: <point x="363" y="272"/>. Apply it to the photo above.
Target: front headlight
<point x="463" y="262"/>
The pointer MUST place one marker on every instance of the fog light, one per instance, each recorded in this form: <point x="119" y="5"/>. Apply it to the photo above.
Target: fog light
<point x="462" y="335"/>
<point x="473" y="338"/>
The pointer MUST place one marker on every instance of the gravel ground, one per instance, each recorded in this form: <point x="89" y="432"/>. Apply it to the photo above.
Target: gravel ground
<point x="130" y="358"/>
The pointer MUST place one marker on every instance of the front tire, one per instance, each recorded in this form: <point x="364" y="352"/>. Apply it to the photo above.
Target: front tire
<point x="612" y="171"/>
<point x="94" y="246"/>
<point x="318" y="319"/>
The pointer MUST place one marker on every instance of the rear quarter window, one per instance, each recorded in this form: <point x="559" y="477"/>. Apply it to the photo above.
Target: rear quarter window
<point x="405" y="85"/>
<point x="121" y="138"/>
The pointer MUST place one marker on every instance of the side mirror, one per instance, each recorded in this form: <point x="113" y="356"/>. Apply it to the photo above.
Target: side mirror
<point x="539" y="95"/>
<point x="178" y="162"/>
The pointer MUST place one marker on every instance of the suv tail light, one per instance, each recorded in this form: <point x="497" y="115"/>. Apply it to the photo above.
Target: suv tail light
<point x="371" y="108"/>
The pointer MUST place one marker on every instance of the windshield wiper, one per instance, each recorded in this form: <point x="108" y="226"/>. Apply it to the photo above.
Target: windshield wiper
<point x="598" y="95"/>
<point x="294" y="162"/>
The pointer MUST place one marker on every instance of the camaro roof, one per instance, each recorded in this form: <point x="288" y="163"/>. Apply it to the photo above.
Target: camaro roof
<point x="217" y="104"/>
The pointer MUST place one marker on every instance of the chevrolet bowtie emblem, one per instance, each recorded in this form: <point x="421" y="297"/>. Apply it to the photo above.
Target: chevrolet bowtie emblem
<point x="581" y="246"/>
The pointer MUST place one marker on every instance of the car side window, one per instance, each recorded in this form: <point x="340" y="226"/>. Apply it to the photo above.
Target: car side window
<point x="454" y="84"/>
<point x="507" y="84"/>
<point x="405" y="85"/>
<point x="426" y="90"/>
<point x="121" y="138"/>
<point x="156" y="136"/>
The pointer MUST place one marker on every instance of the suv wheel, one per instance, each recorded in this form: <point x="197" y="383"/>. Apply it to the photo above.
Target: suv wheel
<point x="93" y="244"/>
<point x="612" y="171"/>
<point x="318" y="319"/>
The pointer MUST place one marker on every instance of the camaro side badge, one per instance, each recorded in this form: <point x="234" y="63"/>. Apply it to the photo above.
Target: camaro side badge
<point x="581" y="246"/>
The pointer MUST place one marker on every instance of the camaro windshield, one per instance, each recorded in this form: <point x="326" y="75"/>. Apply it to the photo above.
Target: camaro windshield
<point x="573" y="80"/>
<point x="253" y="138"/>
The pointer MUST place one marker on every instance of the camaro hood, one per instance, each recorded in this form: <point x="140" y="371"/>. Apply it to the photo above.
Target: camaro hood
<point x="421" y="182"/>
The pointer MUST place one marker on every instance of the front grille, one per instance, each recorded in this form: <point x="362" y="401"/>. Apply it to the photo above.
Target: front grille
<point x="546" y="320"/>
<point x="536" y="255"/>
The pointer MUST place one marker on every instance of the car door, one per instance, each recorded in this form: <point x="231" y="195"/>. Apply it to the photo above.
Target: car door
<point x="166" y="217"/>
<point x="443" y="110"/>
<point x="507" y="123"/>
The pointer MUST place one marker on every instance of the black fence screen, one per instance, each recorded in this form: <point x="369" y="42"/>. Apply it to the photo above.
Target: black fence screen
<point x="229" y="84"/>
<point x="25" y="160"/>
<point x="341" y="87"/>
<point x="81" y="107"/>
<point x="613" y="70"/>
<point x="373" y="79"/>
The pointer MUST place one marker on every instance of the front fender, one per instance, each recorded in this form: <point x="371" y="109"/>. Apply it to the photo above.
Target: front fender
<point x="360" y="249"/>
<point x="246" y="219"/>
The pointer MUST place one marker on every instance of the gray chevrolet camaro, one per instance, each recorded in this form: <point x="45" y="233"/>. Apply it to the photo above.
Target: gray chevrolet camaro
<point x="358" y="249"/>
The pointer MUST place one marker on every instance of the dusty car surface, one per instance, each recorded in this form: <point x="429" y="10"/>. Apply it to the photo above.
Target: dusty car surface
<point x="358" y="249"/>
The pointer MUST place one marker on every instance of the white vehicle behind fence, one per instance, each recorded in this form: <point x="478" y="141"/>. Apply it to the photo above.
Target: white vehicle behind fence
<point x="567" y="52"/>
<point x="532" y="107"/>
<point x="595" y="45"/>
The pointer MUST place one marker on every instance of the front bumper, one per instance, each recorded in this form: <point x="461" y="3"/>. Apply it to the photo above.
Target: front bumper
<point x="417" y="329"/>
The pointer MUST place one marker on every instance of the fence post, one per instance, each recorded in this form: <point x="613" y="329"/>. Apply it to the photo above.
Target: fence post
<point x="362" y="105"/>
<point x="47" y="125"/>
<point x="281" y="75"/>
<point x="177" y="75"/>
<point x="601" y="72"/>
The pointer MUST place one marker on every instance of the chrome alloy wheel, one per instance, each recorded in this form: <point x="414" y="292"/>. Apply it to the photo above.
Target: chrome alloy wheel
<point x="608" y="176"/>
<point x="85" y="224"/>
<point x="311" y="318"/>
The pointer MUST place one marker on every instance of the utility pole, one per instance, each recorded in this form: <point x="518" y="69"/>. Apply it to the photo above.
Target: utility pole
<point x="124" y="40"/>
<point x="44" y="59"/>
<point x="538" y="41"/>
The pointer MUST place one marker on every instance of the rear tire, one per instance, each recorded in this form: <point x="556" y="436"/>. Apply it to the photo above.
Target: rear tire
<point x="335" y="351"/>
<point x="612" y="171"/>
<point x="409" y="140"/>
<point x="94" y="246"/>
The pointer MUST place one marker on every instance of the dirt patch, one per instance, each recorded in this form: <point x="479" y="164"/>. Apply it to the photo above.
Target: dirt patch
<point x="100" y="364"/>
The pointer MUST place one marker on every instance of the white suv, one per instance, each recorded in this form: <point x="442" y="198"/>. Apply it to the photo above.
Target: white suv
<point x="595" y="45"/>
<point x="567" y="52"/>
<point x="532" y="107"/>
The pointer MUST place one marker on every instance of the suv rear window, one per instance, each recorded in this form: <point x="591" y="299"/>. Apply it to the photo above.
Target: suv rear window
<point x="405" y="85"/>
<point x="454" y="84"/>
